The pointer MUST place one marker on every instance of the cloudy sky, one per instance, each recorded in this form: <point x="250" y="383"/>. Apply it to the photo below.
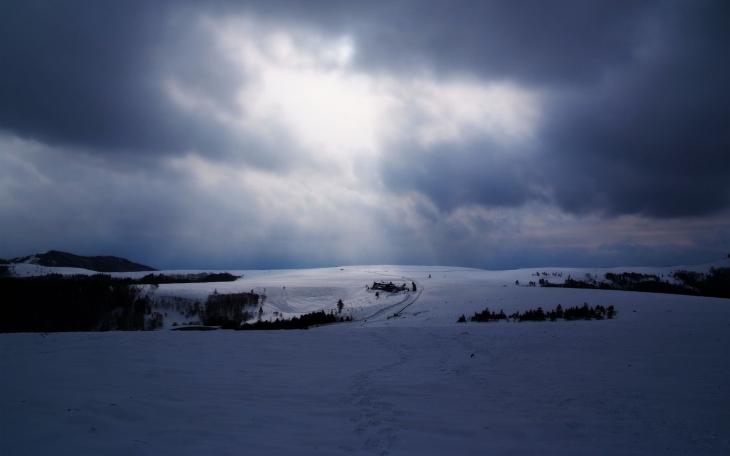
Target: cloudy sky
<point x="286" y="134"/>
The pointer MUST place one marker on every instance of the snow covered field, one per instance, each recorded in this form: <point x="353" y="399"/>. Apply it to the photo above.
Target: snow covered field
<point x="655" y="380"/>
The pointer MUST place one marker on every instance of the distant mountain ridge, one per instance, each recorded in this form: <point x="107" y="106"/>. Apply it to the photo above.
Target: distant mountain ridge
<point x="55" y="258"/>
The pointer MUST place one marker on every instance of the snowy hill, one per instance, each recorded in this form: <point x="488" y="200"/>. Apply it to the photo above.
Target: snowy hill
<point x="57" y="259"/>
<point x="443" y="293"/>
<point x="403" y="378"/>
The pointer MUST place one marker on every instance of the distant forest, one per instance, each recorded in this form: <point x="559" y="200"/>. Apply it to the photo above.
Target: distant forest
<point x="97" y="302"/>
<point x="100" y="302"/>
<point x="204" y="277"/>
<point x="715" y="283"/>
<point x="71" y="303"/>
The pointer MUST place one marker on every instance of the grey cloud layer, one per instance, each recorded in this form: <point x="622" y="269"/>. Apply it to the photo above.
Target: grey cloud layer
<point x="639" y="114"/>
<point x="636" y="115"/>
<point x="88" y="74"/>
<point x="653" y="138"/>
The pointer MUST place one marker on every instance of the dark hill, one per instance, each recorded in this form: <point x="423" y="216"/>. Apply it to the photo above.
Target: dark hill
<point x="54" y="258"/>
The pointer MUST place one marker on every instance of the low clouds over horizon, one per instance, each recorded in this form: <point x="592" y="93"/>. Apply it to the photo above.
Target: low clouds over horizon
<point x="284" y="134"/>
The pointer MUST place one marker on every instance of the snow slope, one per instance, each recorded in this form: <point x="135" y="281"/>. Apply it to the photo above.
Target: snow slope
<point x="655" y="380"/>
<point x="440" y="299"/>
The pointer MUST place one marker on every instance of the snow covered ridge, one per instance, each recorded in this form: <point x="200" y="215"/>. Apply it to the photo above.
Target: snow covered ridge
<point x="107" y="263"/>
<point x="422" y="295"/>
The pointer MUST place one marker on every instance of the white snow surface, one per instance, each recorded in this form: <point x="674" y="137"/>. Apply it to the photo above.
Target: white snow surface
<point x="654" y="380"/>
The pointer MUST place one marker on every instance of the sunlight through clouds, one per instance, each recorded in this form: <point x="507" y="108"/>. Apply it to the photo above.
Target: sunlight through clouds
<point x="302" y="91"/>
<point x="305" y="84"/>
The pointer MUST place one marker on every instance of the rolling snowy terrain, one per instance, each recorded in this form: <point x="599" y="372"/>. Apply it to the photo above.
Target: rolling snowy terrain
<point x="402" y="378"/>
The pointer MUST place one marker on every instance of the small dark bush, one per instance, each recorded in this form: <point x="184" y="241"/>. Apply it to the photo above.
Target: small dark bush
<point x="486" y="315"/>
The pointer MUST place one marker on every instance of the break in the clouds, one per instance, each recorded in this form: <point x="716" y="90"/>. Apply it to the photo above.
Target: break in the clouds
<point x="302" y="133"/>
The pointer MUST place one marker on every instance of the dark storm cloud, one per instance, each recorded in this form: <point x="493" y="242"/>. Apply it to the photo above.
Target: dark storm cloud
<point x="534" y="42"/>
<point x="637" y="118"/>
<point x="482" y="173"/>
<point x="89" y="73"/>
<point x="557" y="42"/>
<point x="654" y="138"/>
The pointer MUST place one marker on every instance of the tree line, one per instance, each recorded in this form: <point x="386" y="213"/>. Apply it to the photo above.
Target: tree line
<point x="302" y="322"/>
<point x="71" y="303"/>
<point x="584" y="312"/>
<point x="203" y="277"/>
<point x="715" y="283"/>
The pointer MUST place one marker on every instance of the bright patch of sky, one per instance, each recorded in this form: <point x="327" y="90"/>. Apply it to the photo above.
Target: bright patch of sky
<point x="305" y="84"/>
